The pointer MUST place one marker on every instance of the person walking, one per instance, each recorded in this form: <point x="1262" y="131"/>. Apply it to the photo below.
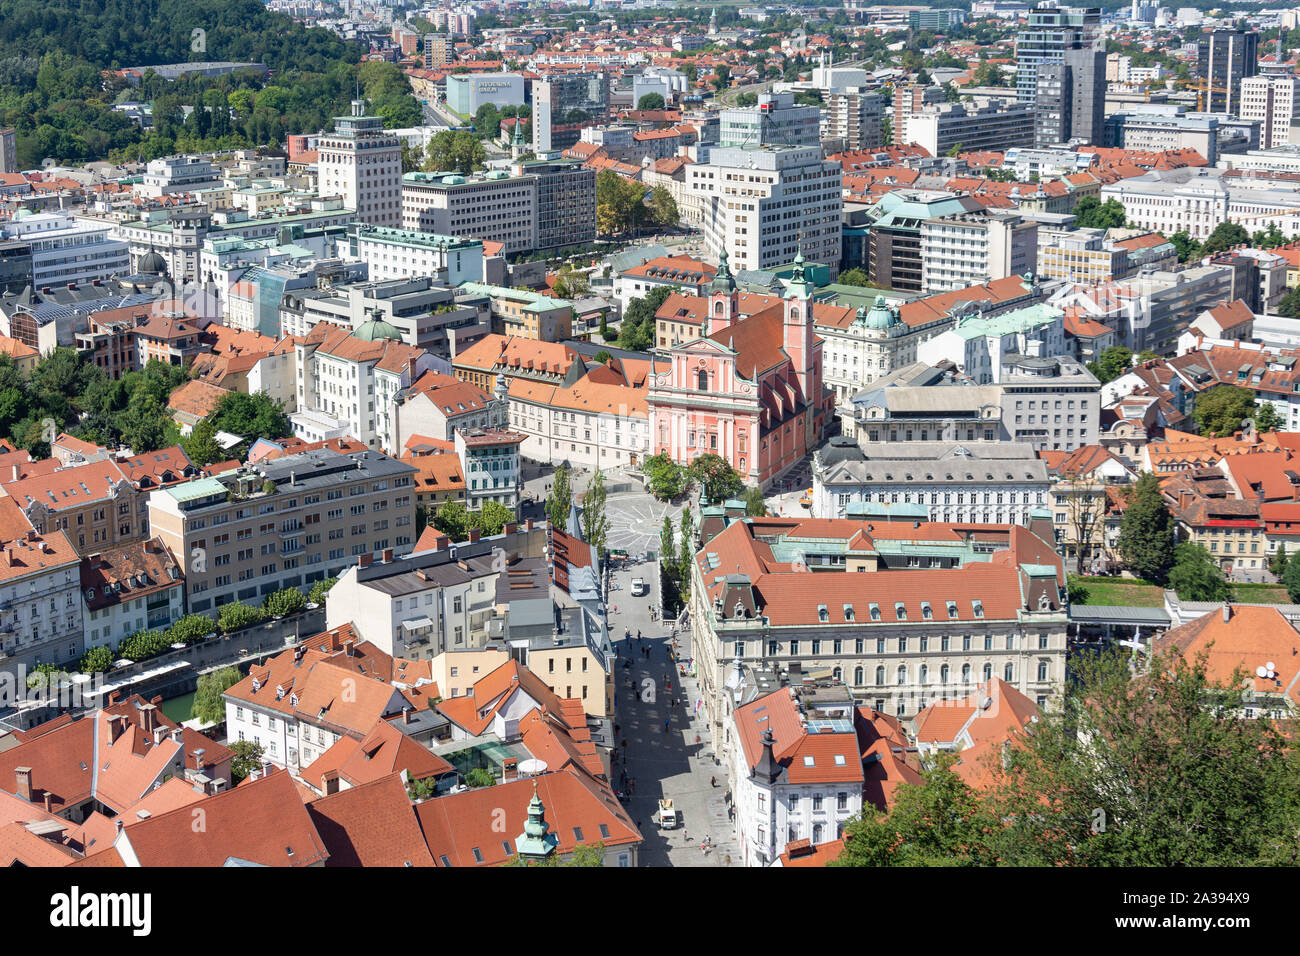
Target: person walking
<point x="713" y="782"/>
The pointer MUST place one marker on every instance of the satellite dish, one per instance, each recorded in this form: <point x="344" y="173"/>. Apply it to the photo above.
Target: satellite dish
<point x="532" y="767"/>
<point x="1261" y="671"/>
<point x="1271" y="666"/>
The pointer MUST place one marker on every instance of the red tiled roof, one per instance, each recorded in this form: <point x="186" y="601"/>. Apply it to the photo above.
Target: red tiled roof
<point x="373" y="824"/>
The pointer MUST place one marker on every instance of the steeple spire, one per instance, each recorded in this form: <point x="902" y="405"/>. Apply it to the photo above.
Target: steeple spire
<point x="536" y="840"/>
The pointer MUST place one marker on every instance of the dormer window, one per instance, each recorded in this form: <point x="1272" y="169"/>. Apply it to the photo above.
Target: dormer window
<point x="823" y="615"/>
<point x="293" y="700"/>
<point x="874" y="610"/>
<point x="900" y="611"/>
<point x="740" y="609"/>
<point x="848" y="612"/>
<point x="952" y="610"/>
<point x="90" y="594"/>
<point x="926" y="612"/>
<point x="978" y="608"/>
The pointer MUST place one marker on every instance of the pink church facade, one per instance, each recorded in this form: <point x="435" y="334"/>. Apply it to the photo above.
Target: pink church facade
<point x="749" y="389"/>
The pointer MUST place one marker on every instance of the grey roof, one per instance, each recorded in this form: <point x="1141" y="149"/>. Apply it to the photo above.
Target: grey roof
<point x="932" y="400"/>
<point x="937" y="463"/>
<point x="1105" y="614"/>
<point x="324" y="467"/>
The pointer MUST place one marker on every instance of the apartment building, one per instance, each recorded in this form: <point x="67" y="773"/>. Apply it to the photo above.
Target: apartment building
<point x="95" y="504"/>
<point x="172" y="175"/>
<point x="353" y="378"/>
<point x="1151" y="310"/>
<point x="1224" y="58"/>
<point x="137" y="587"/>
<point x="976" y="345"/>
<point x="765" y="206"/>
<point x="967" y="249"/>
<point x="910" y="98"/>
<point x="1046" y="36"/>
<point x="40" y="602"/>
<point x="941" y="607"/>
<point x="1273" y="101"/>
<point x="591" y="423"/>
<point x="495" y="206"/>
<point x="283" y="523"/>
<point x="436" y="405"/>
<point x="976" y="482"/>
<point x="774" y="121"/>
<point x="984" y="123"/>
<point x="852" y="119"/>
<point x="566" y="202"/>
<point x="404" y="253"/>
<point x="1157" y="128"/>
<point x="521" y="313"/>
<point x="490" y="462"/>
<point x="894" y="243"/>
<point x="361" y="163"/>
<point x="58" y="249"/>
<point x="424" y="313"/>
<point x="1197" y="200"/>
<point x="1051" y="402"/>
<point x="444" y="599"/>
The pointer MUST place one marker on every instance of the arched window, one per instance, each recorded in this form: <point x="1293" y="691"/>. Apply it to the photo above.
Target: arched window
<point x="965" y="673"/>
<point x="794" y="315"/>
<point x="925" y="674"/>
<point x="717" y="307"/>
<point x="880" y="677"/>
<point x="988" y="671"/>
<point x="1008" y="673"/>
<point x="943" y="674"/>
<point x="857" y="676"/>
<point x="902" y="673"/>
<point x="838" y="674"/>
<point x="704" y="381"/>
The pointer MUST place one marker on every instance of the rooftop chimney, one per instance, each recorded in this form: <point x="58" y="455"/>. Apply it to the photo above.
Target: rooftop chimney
<point x="1227" y="612"/>
<point x="23" y="776"/>
<point x="364" y="560"/>
<point x="473" y="536"/>
<point x="331" y="780"/>
<point x="406" y="715"/>
<point x="388" y="555"/>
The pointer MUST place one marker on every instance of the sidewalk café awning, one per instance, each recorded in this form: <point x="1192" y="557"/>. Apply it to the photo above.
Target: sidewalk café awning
<point x="418" y="624"/>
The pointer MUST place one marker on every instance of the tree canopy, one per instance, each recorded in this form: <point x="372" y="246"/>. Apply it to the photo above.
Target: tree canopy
<point x="1092" y="213"/>
<point x="1111" y="364"/>
<point x="1220" y="411"/>
<point x="1146" y="534"/>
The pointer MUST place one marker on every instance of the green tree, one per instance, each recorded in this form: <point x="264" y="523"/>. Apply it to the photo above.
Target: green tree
<point x="209" y="705"/>
<point x="234" y="616"/>
<point x="320" y="590"/>
<point x="284" y="602"/>
<point x="1146" y="535"/>
<point x="1278" y="561"/>
<point x="1267" y="419"/>
<point x="491" y="519"/>
<point x="190" y="628"/>
<point x="479" y="777"/>
<point x="663" y="208"/>
<point x="715" y="476"/>
<point x="595" y="522"/>
<point x="855" y="277"/>
<point x="651" y="101"/>
<point x="560" y="501"/>
<point x="1291" y="578"/>
<point x="1153" y="769"/>
<point x="251" y="416"/>
<point x="721" y="77"/>
<point x="202" y="446"/>
<point x="248" y="758"/>
<point x="665" y="479"/>
<point x="452" y="519"/>
<point x="1092" y="213"/>
<point x="1226" y="235"/>
<point x="939" y="822"/>
<point x="1220" y="411"/>
<point x="755" y="506"/>
<point x="96" y="660"/>
<point x="667" y="547"/>
<point x="686" y="553"/>
<point x="1188" y="248"/>
<point x="1289" y="305"/>
<point x="1195" y="576"/>
<point x="1111" y="364"/>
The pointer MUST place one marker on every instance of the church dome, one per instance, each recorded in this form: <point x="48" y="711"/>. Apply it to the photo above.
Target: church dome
<point x="374" y="330"/>
<point x="880" y="317"/>
<point x="153" y="264"/>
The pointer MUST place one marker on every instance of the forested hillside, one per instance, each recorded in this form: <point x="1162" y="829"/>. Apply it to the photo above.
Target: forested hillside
<point x="52" y="89"/>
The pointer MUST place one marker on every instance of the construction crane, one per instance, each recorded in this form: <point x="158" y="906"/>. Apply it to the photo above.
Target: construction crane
<point x="1202" y="87"/>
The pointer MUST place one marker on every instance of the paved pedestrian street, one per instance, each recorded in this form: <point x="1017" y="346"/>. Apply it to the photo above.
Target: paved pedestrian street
<point x="660" y="764"/>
